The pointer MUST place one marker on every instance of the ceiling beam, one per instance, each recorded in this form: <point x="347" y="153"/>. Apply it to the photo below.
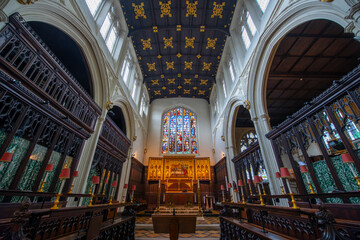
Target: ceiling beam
<point x="173" y="27"/>
<point x="158" y="76"/>
<point x="306" y="76"/>
<point x="304" y="35"/>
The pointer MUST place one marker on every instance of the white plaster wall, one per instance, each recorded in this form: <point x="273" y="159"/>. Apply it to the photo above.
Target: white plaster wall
<point x="200" y="108"/>
<point x="219" y="144"/>
<point x="139" y="143"/>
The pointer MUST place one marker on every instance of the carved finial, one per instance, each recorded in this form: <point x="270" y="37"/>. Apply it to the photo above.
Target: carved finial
<point x="247" y="104"/>
<point x="109" y="105"/>
<point x="27" y="2"/>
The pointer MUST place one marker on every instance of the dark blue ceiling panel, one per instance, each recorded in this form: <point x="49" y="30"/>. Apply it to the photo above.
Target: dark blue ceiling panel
<point x="179" y="43"/>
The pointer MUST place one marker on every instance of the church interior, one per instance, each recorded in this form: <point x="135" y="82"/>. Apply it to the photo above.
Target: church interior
<point x="196" y="119"/>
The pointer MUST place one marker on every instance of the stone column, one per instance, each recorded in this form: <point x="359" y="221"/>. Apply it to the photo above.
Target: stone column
<point x="262" y="127"/>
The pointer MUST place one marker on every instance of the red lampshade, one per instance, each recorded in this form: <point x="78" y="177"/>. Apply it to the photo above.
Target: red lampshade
<point x="229" y="185"/>
<point x="114" y="184"/>
<point x="240" y="183"/>
<point x="278" y="175"/>
<point x="49" y="168"/>
<point x="6" y="157"/>
<point x="303" y="169"/>
<point x="65" y="173"/>
<point x="222" y="187"/>
<point x="76" y="173"/>
<point x="95" y="179"/>
<point x="106" y="180"/>
<point x="285" y="172"/>
<point x="133" y="187"/>
<point x="257" y="179"/>
<point x="125" y="186"/>
<point x="248" y="181"/>
<point x="346" y="158"/>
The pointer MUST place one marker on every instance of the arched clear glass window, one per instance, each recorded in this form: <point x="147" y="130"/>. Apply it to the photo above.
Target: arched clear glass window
<point x="179" y="133"/>
<point x="248" y="139"/>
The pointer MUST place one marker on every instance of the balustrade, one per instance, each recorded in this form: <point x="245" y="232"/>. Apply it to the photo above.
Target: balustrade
<point x="317" y="136"/>
<point x="23" y="53"/>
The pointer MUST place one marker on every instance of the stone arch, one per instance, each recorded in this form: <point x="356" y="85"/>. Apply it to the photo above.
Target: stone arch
<point x="61" y="18"/>
<point x="290" y="18"/>
<point x="128" y="114"/>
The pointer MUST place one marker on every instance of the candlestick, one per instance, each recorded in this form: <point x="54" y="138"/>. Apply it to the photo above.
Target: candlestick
<point x="223" y="197"/>
<point x="111" y="195"/>
<point x="43" y="183"/>
<point x="242" y="195"/>
<point x="309" y="183"/>
<point x="91" y="199"/>
<point x="355" y="175"/>
<point x="56" y="203"/>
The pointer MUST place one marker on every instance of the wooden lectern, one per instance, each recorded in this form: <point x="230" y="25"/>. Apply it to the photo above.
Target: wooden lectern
<point x="174" y="224"/>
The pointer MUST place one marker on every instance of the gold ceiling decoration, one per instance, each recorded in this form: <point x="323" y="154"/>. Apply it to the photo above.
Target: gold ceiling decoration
<point x="189" y="42"/>
<point x="218" y="10"/>
<point x="139" y="10"/>
<point x="170" y="65"/>
<point x="179" y="55"/>
<point x="188" y="65"/>
<point x="168" y="42"/>
<point x="171" y="80"/>
<point x="206" y="66"/>
<point x="157" y="92"/>
<point x="172" y="91"/>
<point x="203" y="82"/>
<point x="186" y="91"/>
<point x="151" y="66"/>
<point x="187" y="80"/>
<point x="191" y="8"/>
<point x="146" y="44"/>
<point x="165" y="9"/>
<point x="154" y="82"/>
<point x="201" y="92"/>
<point x="211" y="43"/>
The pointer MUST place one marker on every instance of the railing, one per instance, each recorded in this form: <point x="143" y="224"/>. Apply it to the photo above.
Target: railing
<point x="73" y="223"/>
<point x="252" y="221"/>
<point x="246" y="160"/>
<point x="22" y="52"/>
<point x="114" y="138"/>
<point x="318" y="133"/>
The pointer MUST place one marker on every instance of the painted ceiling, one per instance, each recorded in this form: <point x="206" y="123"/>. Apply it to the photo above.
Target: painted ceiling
<point x="178" y="43"/>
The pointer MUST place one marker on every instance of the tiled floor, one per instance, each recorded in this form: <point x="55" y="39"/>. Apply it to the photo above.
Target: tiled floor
<point x="144" y="230"/>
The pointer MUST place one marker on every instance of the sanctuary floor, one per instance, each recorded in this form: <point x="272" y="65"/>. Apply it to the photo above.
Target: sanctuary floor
<point x="207" y="228"/>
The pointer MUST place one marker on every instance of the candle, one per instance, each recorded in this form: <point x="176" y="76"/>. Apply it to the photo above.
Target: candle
<point x="242" y="191"/>
<point x="159" y="183"/>
<point x="352" y="170"/>
<point x="226" y="181"/>
<point x="307" y="178"/>
<point x="61" y="186"/>
<point x="47" y="173"/>
<point x="288" y="183"/>
<point x="259" y="188"/>
<point x="198" y="184"/>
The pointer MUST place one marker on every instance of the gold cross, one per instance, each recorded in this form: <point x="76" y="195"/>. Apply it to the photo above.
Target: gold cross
<point x="188" y="65"/>
<point x="151" y="66"/>
<point x="211" y="43"/>
<point x="154" y="82"/>
<point x="139" y="10"/>
<point x="187" y="81"/>
<point x="171" y="81"/>
<point x="165" y="9"/>
<point x="157" y="92"/>
<point x="168" y="42"/>
<point x="146" y="44"/>
<point x="203" y="82"/>
<point x="191" y="8"/>
<point x="206" y="66"/>
<point x="170" y="65"/>
<point x="189" y="42"/>
<point x="218" y="10"/>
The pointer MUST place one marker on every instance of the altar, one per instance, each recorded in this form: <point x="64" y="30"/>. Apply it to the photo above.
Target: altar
<point x="179" y="198"/>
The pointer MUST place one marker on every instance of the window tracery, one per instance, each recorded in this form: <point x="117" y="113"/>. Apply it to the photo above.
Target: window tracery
<point x="179" y="133"/>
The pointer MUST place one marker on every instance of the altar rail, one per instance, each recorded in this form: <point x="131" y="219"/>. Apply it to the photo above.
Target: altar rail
<point x="96" y="222"/>
<point x="329" y="122"/>
<point x="23" y="53"/>
<point x="250" y="221"/>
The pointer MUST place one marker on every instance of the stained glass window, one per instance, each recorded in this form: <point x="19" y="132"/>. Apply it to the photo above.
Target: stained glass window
<point x="179" y="132"/>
